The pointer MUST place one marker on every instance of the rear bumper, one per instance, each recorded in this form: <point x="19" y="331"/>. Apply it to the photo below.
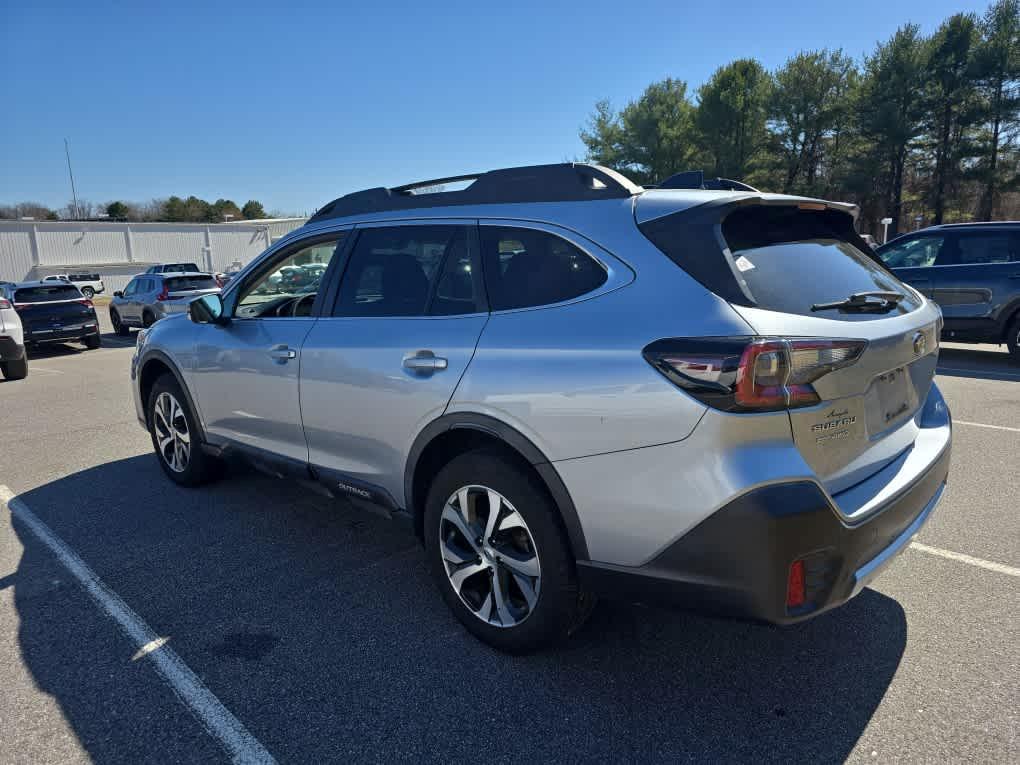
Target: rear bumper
<point x="736" y="562"/>
<point x="62" y="335"/>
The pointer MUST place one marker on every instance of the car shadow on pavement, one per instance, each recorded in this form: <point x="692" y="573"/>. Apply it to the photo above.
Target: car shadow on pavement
<point x="318" y="627"/>
<point x="978" y="362"/>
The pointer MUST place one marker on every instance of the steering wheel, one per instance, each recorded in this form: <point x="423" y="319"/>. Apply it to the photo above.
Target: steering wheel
<point x="295" y="304"/>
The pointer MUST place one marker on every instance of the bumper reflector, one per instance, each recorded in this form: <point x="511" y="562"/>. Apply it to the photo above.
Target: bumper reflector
<point x="795" y="590"/>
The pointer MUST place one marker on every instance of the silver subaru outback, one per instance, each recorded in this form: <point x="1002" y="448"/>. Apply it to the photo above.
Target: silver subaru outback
<point x="571" y="387"/>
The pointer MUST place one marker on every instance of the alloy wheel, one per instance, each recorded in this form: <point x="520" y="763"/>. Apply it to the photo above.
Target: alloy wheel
<point x="173" y="438"/>
<point x="489" y="556"/>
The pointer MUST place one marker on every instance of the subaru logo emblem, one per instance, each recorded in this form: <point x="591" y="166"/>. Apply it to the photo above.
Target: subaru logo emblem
<point x="920" y="343"/>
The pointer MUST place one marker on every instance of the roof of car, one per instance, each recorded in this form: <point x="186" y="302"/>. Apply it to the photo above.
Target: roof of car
<point x="527" y="192"/>
<point x="37" y="283"/>
<point x="975" y="224"/>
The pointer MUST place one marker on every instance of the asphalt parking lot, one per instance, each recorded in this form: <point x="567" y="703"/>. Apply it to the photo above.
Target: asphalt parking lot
<point x="315" y="628"/>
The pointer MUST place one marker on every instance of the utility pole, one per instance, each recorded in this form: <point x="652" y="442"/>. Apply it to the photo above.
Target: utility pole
<point x="74" y="195"/>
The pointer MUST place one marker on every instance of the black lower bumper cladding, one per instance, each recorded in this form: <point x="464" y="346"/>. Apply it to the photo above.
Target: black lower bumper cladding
<point x="736" y="562"/>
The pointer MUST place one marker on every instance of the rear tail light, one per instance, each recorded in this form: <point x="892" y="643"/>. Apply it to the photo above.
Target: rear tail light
<point x="4" y="303"/>
<point x="86" y="302"/>
<point x="751" y="374"/>
<point x="165" y="294"/>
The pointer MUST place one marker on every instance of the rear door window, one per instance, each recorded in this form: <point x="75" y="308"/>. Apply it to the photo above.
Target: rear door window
<point x="525" y="267"/>
<point x="976" y="248"/>
<point x="45" y="294"/>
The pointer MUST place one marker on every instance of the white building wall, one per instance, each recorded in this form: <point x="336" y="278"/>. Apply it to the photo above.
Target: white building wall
<point x="15" y="252"/>
<point x="83" y="245"/>
<point x="170" y="243"/>
<point x="33" y="249"/>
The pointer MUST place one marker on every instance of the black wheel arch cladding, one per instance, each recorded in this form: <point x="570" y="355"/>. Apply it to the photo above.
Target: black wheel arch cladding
<point x="516" y="442"/>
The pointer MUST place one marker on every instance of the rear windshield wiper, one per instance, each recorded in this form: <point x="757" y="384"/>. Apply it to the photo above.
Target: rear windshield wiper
<point x="863" y="301"/>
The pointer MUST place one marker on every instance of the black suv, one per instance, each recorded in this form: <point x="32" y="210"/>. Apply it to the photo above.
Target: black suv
<point x="972" y="270"/>
<point x="54" y="312"/>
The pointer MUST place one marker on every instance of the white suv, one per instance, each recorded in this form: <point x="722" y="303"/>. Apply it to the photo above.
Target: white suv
<point x="89" y="284"/>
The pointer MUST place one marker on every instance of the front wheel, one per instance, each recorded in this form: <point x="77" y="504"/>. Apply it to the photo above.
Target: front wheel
<point x="174" y="430"/>
<point x="118" y="325"/>
<point x="499" y="554"/>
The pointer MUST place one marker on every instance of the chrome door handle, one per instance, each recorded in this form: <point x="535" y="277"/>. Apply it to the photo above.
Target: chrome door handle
<point x="425" y="362"/>
<point x="282" y="353"/>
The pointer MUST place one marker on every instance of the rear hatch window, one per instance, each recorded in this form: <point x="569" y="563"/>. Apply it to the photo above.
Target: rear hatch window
<point x="186" y="283"/>
<point x="46" y="294"/>
<point x="783" y="258"/>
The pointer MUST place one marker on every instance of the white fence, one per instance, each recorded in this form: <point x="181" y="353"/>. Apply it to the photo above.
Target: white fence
<point x="118" y="251"/>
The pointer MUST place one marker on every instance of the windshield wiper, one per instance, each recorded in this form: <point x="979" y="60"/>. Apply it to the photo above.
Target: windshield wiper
<point x="864" y="301"/>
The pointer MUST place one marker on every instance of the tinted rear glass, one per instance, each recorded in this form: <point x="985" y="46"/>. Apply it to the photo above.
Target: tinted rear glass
<point x="791" y="259"/>
<point x="180" y="268"/>
<point x="46" y="294"/>
<point x="781" y="259"/>
<point x="183" y="283"/>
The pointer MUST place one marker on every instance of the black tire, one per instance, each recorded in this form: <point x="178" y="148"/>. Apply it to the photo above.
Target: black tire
<point x="93" y="341"/>
<point x="560" y="606"/>
<point x="201" y="467"/>
<point x="148" y="319"/>
<point x="1013" y="339"/>
<point x="119" y="327"/>
<point x="16" y="369"/>
<point x="88" y="292"/>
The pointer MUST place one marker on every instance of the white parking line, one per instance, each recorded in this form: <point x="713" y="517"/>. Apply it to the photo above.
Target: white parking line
<point x="983" y="425"/>
<point x="970" y="560"/>
<point x="216" y="718"/>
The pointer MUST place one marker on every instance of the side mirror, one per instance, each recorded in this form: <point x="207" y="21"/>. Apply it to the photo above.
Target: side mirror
<point x="118" y="293"/>
<point x="207" y="309"/>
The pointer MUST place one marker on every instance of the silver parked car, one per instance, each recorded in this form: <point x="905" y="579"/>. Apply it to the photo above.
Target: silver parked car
<point x="147" y="298"/>
<point x="572" y="386"/>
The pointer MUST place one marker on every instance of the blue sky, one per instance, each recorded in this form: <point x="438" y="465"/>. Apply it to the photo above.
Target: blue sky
<point x="294" y="104"/>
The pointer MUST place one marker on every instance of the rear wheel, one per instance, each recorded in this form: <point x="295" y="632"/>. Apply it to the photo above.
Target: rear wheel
<point x="93" y="341"/>
<point x="16" y="369"/>
<point x="1013" y="339"/>
<point x="118" y="326"/>
<point x="174" y="430"/>
<point x="88" y="292"/>
<point x="499" y="555"/>
<point x="148" y="319"/>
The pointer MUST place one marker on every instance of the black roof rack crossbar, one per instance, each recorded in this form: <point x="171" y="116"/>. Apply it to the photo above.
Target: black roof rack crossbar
<point x="695" y="179"/>
<point x="566" y="182"/>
